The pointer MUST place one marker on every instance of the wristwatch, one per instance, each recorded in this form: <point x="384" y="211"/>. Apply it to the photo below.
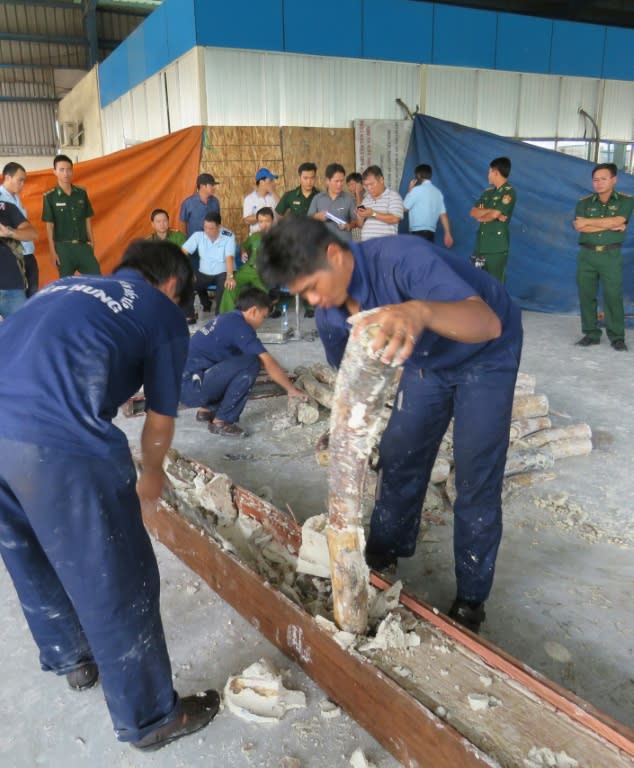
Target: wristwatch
<point x="230" y="277"/>
<point x="374" y="214"/>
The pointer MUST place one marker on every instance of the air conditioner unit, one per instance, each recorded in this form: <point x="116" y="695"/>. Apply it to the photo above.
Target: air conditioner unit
<point x="71" y="134"/>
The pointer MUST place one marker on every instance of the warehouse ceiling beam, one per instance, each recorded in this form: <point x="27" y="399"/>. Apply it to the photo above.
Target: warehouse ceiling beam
<point x="44" y="39"/>
<point x="89" y="8"/>
<point x="28" y="99"/>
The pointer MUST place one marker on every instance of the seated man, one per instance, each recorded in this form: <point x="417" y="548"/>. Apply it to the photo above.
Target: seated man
<point x="248" y="274"/>
<point x="216" y="251"/>
<point x="160" y="220"/>
<point x="223" y="362"/>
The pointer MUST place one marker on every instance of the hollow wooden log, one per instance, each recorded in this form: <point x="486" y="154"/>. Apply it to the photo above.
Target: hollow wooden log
<point x="440" y="470"/>
<point x="523" y="427"/>
<point x="358" y="400"/>
<point x="529" y="406"/>
<point x="526" y="381"/>
<point x="324" y="373"/>
<point x="519" y="461"/>
<point x="547" y="436"/>
<point x="523" y="480"/>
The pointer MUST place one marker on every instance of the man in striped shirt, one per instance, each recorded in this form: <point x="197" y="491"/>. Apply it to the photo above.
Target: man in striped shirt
<point x="381" y="209"/>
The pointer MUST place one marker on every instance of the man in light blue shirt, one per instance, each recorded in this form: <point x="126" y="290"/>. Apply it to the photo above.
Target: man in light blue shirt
<point x="216" y="249"/>
<point x="426" y="205"/>
<point x="13" y="178"/>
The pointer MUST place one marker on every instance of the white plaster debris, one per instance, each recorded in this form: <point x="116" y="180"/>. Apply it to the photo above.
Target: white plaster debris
<point x="557" y="651"/>
<point x="357" y="416"/>
<point x="359" y="760"/>
<point x="290" y="762"/>
<point x="441" y="711"/>
<point x="215" y="496"/>
<point x="382" y="602"/>
<point x="402" y="671"/>
<point x="542" y="757"/>
<point x="313" y="555"/>
<point x="390" y="634"/>
<point x="345" y="640"/>
<point x="482" y="701"/>
<point x="486" y="681"/>
<point x="258" y="694"/>
<point x="329" y="710"/>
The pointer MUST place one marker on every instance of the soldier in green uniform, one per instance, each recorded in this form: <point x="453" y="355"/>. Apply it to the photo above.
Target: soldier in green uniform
<point x="493" y="211"/>
<point x="248" y="273"/>
<point x="297" y="201"/>
<point x="161" y="225"/>
<point x="67" y="213"/>
<point x="601" y="219"/>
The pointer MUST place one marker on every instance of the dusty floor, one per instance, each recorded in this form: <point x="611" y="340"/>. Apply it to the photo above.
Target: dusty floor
<point x="561" y="601"/>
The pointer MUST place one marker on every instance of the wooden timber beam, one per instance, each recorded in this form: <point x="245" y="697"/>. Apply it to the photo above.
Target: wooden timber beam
<point x="399" y="721"/>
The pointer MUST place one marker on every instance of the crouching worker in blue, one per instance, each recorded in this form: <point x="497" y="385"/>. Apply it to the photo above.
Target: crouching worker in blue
<point x="223" y="363"/>
<point x="459" y="337"/>
<point x="71" y="533"/>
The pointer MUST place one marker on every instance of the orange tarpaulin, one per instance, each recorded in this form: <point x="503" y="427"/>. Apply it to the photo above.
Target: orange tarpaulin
<point x="123" y="188"/>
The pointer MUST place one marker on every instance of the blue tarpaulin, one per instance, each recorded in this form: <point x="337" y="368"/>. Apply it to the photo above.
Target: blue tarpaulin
<point x="543" y="250"/>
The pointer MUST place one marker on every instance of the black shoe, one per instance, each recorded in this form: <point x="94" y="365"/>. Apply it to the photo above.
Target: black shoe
<point x="467" y="613"/>
<point x="587" y="341"/>
<point x="309" y="312"/>
<point x="381" y="562"/>
<point x="203" y="415"/>
<point x="84" y="677"/>
<point x="275" y="313"/>
<point x="196" y="712"/>
<point x="619" y="345"/>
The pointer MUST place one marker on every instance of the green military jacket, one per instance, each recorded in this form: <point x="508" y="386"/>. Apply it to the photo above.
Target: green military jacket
<point x="296" y="202"/>
<point x="493" y="236"/>
<point x="173" y="236"/>
<point x="590" y="207"/>
<point x="68" y="214"/>
<point x="252" y="245"/>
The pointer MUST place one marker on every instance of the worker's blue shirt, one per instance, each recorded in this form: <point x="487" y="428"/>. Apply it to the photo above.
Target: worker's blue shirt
<point x="223" y="337"/>
<point x="392" y="270"/>
<point x="212" y="253"/>
<point x="78" y="350"/>
<point x="193" y="212"/>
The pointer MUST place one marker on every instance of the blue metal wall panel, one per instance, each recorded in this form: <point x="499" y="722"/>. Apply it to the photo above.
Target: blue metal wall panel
<point x="403" y="34"/>
<point x="235" y="25"/>
<point x="523" y="43"/>
<point x="577" y="49"/>
<point x="464" y="37"/>
<point x="137" y="63"/>
<point x="113" y="76"/>
<point x="181" y="27"/>
<point x="618" y="61"/>
<point x="156" y="50"/>
<point x="327" y="28"/>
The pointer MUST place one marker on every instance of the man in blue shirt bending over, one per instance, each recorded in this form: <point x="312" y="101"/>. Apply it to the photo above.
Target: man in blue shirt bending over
<point x="71" y="533"/>
<point x="223" y="363"/>
<point x="459" y="337"/>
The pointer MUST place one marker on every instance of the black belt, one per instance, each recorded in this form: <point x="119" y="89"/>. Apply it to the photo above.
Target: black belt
<point x="599" y="248"/>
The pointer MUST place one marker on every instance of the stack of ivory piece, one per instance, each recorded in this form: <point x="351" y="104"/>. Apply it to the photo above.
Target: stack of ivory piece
<point x="534" y="444"/>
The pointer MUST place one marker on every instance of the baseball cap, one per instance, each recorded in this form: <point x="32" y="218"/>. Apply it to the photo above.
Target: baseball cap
<point x="264" y="173"/>
<point x="205" y="178"/>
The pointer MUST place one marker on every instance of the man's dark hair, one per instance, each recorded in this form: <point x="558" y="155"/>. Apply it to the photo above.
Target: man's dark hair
<point x="611" y="167"/>
<point x="266" y="211"/>
<point x="422" y="172"/>
<point x="10" y="169"/>
<point x="334" y="168"/>
<point x="306" y="167"/>
<point x="61" y="159"/>
<point x="213" y="217"/>
<point x="502" y="165"/>
<point x="372" y="170"/>
<point x="158" y="211"/>
<point x="157" y="261"/>
<point x="354" y="177"/>
<point x="250" y="296"/>
<point x="294" y="247"/>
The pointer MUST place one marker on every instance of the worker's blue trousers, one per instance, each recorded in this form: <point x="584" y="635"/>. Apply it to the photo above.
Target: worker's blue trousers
<point x="480" y="397"/>
<point x="73" y="541"/>
<point x="223" y="388"/>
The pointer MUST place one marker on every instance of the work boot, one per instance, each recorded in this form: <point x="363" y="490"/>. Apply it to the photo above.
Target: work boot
<point x="587" y="341"/>
<point x="84" y="677"/>
<point x="469" y="614"/>
<point x="195" y="713"/>
<point x="381" y="562"/>
<point x="619" y="345"/>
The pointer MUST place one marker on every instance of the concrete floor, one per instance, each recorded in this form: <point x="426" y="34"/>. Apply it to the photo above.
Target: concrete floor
<point x="561" y="601"/>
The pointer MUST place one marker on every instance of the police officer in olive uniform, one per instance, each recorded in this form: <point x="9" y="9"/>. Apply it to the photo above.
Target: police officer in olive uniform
<point x="67" y="213"/>
<point x="601" y="219"/>
<point x="493" y="211"/>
